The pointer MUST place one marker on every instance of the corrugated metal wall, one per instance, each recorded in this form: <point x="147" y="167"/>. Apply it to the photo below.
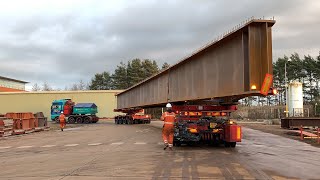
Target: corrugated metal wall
<point x="41" y="101"/>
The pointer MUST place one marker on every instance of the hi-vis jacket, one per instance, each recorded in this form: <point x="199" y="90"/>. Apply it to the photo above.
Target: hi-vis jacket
<point x="168" y="118"/>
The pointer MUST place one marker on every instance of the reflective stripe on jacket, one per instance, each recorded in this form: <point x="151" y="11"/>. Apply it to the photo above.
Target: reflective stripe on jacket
<point x="168" y="118"/>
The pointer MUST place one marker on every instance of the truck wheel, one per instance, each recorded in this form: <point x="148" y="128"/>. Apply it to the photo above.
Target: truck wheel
<point x="233" y="144"/>
<point x="79" y="120"/>
<point x="87" y="120"/>
<point x="71" y="120"/>
<point x="56" y="119"/>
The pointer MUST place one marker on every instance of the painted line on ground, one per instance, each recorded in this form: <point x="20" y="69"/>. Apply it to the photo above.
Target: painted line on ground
<point x="258" y="145"/>
<point x="117" y="143"/>
<point x="71" y="145"/>
<point x="94" y="144"/>
<point x="48" y="146"/>
<point x="140" y="143"/>
<point x="6" y="147"/>
<point x="24" y="147"/>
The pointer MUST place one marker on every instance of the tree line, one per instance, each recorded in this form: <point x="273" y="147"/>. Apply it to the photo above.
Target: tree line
<point x="126" y="75"/>
<point x="304" y="69"/>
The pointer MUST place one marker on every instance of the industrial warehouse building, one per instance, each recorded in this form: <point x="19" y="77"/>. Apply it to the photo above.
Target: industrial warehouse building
<point x="11" y="85"/>
<point x="41" y="101"/>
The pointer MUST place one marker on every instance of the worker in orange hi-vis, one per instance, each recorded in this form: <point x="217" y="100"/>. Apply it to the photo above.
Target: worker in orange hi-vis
<point x="62" y="119"/>
<point x="168" y="127"/>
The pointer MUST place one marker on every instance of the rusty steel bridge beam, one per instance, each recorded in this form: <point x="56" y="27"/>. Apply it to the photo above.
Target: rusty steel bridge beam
<point x="225" y="69"/>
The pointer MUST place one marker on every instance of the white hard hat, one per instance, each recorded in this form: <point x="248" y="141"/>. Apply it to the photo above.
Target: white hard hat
<point x="168" y="105"/>
<point x="61" y="112"/>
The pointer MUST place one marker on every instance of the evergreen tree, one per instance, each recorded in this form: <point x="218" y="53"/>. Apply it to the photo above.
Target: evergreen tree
<point x="165" y="66"/>
<point x="101" y="81"/>
<point x="119" y="77"/>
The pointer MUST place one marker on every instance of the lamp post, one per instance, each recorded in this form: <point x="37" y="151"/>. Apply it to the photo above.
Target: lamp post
<point x="315" y="109"/>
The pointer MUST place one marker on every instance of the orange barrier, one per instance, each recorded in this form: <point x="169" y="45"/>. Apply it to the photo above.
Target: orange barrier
<point x="309" y="135"/>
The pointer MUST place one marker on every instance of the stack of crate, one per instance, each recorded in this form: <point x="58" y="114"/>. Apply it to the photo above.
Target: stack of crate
<point x="6" y="127"/>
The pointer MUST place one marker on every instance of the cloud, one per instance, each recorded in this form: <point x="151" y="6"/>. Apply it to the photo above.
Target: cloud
<point x="63" y="42"/>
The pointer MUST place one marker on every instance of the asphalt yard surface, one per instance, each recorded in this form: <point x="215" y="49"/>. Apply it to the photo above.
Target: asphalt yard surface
<point x="109" y="151"/>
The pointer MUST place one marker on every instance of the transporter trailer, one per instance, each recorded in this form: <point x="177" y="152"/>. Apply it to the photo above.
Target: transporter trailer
<point x="132" y="116"/>
<point x="208" y="124"/>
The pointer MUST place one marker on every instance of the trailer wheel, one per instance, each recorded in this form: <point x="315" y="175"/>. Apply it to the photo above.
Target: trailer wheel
<point x="233" y="144"/>
<point x="226" y="144"/>
<point x="177" y="143"/>
<point x="87" y="120"/>
<point x="79" y="120"/>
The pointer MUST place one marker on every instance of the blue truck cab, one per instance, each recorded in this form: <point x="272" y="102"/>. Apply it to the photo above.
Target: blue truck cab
<point x="56" y="108"/>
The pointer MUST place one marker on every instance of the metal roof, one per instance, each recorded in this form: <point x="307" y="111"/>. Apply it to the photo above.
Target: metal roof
<point x="15" y="80"/>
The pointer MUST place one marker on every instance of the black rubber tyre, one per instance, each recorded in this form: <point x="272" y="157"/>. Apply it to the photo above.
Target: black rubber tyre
<point x="79" y="120"/>
<point x="56" y="119"/>
<point x="87" y="120"/>
<point x="71" y="120"/>
<point x="233" y="144"/>
<point x="226" y="144"/>
<point x="177" y="143"/>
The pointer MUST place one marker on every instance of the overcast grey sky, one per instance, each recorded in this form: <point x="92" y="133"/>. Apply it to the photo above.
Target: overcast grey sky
<point x="62" y="42"/>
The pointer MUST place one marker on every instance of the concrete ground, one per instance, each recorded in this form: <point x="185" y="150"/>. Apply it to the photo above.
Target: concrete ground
<point x="109" y="151"/>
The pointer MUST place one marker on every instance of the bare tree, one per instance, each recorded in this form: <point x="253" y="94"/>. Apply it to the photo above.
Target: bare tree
<point x="46" y="87"/>
<point x="36" y="87"/>
<point x="81" y="85"/>
<point x="74" y="87"/>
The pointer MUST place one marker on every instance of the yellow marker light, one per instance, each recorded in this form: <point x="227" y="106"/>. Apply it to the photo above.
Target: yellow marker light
<point x="238" y="133"/>
<point x="192" y="130"/>
<point x="253" y="87"/>
<point x="275" y="91"/>
<point x="215" y="130"/>
<point x="230" y="122"/>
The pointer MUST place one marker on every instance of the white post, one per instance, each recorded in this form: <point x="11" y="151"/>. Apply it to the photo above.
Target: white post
<point x="285" y="79"/>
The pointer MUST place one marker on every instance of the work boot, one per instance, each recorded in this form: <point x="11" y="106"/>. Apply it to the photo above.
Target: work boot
<point x="166" y="146"/>
<point x="170" y="149"/>
<point x="61" y="129"/>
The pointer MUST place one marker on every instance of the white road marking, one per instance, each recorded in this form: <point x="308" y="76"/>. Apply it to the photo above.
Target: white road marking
<point x="6" y="147"/>
<point x="94" y="144"/>
<point x="48" y="146"/>
<point x="117" y="143"/>
<point x="71" y="145"/>
<point x="23" y="147"/>
<point x="140" y="143"/>
<point x="259" y="145"/>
